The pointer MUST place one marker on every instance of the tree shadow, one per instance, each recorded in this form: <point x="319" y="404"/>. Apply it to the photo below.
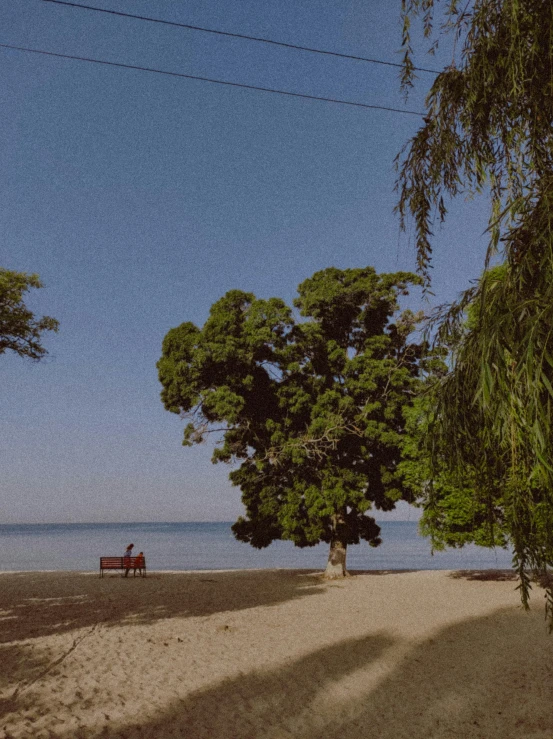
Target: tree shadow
<point x="38" y="604"/>
<point x="243" y="707"/>
<point x="486" y="678"/>
<point x="354" y="573"/>
<point x="67" y="606"/>
<point x="484" y="575"/>
<point x="43" y="603"/>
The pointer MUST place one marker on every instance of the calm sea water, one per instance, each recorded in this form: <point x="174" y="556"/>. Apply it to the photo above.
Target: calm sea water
<point x="206" y="546"/>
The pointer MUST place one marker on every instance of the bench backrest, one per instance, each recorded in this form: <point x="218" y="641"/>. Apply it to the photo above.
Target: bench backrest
<point x="120" y="563"/>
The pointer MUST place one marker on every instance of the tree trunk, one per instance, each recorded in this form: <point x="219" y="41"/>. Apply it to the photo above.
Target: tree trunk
<point x="336" y="565"/>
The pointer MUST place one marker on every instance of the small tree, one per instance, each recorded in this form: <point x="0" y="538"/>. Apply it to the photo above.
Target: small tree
<point x="20" y="331"/>
<point x="311" y="408"/>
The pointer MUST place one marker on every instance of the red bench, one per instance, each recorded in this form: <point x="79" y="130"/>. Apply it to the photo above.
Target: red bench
<point x="123" y="563"/>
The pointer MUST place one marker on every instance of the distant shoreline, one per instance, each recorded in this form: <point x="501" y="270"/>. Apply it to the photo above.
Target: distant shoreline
<point x="206" y="546"/>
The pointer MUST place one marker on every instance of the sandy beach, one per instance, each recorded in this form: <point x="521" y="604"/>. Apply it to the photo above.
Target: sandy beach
<point x="277" y="653"/>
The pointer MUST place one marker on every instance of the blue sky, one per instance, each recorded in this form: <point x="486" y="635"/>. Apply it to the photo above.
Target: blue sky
<point x="141" y="199"/>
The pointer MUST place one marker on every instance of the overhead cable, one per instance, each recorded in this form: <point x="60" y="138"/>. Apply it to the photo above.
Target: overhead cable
<point x="208" y="79"/>
<point x="237" y="35"/>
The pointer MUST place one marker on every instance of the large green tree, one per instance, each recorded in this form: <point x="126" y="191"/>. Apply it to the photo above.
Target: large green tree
<point x="20" y="330"/>
<point x="489" y="129"/>
<point x="310" y="408"/>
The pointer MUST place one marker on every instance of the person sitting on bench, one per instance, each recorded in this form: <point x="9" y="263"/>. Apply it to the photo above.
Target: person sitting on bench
<point x="139" y="564"/>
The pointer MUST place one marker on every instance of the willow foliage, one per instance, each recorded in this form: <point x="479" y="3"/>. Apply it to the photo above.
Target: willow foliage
<point x="490" y="115"/>
<point x="489" y="129"/>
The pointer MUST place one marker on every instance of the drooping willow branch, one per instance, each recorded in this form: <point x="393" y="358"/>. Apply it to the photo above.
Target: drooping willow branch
<point x="489" y="128"/>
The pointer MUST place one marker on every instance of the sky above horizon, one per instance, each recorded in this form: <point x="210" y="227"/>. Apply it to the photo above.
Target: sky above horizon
<point x="140" y="199"/>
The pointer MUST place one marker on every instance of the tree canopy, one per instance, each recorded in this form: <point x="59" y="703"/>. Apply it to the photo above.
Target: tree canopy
<point x="20" y="331"/>
<point x="310" y="407"/>
<point x="489" y="129"/>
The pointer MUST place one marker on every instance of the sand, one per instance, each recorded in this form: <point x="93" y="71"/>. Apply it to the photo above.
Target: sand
<point x="271" y="654"/>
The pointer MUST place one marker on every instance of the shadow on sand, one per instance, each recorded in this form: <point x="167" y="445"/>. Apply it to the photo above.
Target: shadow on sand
<point x="34" y="604"/>
<point x="39" y="604"/>
<point x="484" y="575"/>
<point x="70" y="605"/>
<point x="489" y="677"/>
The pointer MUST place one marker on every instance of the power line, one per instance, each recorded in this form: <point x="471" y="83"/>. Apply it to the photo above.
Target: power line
<point x="208" y="79"/>
<point x="237" y="35"/>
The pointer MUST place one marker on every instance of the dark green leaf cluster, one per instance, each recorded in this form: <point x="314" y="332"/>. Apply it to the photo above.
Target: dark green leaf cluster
<point x="20" y="331"/>
<point x="310" y="407"/>
<point x="461" y="503"/>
